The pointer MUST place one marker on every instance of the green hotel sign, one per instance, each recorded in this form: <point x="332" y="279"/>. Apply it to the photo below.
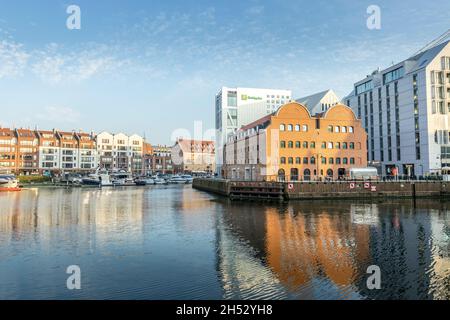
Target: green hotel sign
<point x="246" y="97"/>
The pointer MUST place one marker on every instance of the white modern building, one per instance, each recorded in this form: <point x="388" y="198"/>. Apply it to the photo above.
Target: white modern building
<point x="320" y="102"/>
<point x="120" y="151"/>
<point x="236" y="107"/>
<point x="405" y="110"/>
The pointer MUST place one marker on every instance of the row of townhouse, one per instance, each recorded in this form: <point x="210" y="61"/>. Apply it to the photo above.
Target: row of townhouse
<point x="25" y="151"/>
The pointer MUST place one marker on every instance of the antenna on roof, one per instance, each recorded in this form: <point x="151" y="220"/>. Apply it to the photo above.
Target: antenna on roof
<point x="435" y="42"/>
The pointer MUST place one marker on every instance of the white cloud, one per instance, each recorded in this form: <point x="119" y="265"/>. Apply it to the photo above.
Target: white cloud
<point x="13" y="59"/>
<point x="59" y="115"/>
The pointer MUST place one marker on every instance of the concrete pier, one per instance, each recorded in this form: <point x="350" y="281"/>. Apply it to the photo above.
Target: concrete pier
<point x="323" y="190"/>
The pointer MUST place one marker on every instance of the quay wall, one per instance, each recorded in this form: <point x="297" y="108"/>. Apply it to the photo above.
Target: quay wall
<point x="327" y="190"/>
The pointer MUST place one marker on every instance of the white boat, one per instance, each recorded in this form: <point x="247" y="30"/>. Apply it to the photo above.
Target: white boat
<point x="159" y="181"/>
<point x="187" y="178"/>
<point x="122" y="178"/>
<point x="144" y="181"/>
<point x="8" y="182"/>
<point x="176" y="179"/>
<point x="100" y="178"/>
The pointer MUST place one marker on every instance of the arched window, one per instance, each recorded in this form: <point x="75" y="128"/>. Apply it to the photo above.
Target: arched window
<point x="294" y="174"/>
<point x="344" y="145"/>
<point x="324" y="145"/>
<point x="313" y="160"/>
<point x="324" y="160"/>
<point x="297" y="144"/>
<point x="352" y="160"/>
<point x="281" y="175"/>
<point x="304" y="127"/>
<point x="338" y="160"/>
<point x="282" y="127"/>
<point x="282" y="144"/>
<point x="307" y="174"/>
<point x="350" y="129"/>
<point x="305" y="160"/>
<point x="297" y="127"/>
<point x="352" y="145"/>
<point x="344" y="161"/>
<point x="290" y="160"/>
<point x="312" y="145"/>
<point x="337" y="129"/>
<point x="337" y="145"/>
<point x="330" y="145"/>
<point x="329" y="173"/>
<point x="305" y="144"/>
<point x="297" y="160"/>
<point x="289" y="127"/>
<point x="330" y="128"/>
<point x="282" y="160"/>
<point x="330" y="160"/>
<point x="344" y="129"/>
<point x="290" y="144"/>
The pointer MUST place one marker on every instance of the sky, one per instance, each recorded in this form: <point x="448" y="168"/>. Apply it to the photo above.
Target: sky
<point x="154" y="67"/>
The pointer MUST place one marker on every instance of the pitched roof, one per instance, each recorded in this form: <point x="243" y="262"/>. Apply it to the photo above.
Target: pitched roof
<point x="312" y="100"/>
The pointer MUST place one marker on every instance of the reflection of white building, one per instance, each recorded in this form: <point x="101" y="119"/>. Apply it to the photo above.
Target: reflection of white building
<point x="236" y="107"/>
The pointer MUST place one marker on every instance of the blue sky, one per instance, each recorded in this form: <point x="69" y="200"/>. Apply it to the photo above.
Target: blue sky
<point x="153" y="67"/>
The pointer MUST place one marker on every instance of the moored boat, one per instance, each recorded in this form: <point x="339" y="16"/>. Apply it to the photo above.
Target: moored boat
<point x="9" y="182"/>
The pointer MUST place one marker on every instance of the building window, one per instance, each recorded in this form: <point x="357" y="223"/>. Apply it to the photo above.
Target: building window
<point x="352" y="160"/>
<point x="338" y="160"/>
<point x="313" y="160"/>
<point x="350" y="129"/>
<point x="305" y="144"/>
<point x="297" y="127"/>
<point x="282" y="127"/>
<point x="336" y="129"/>
<point x="290" y="144"/>
<point x="324" y="160"/>
<point x="289" y="127"/>
<point x="330" y="160"/>
<point x="290" y="160"/>
<point x="337" y="145"/>
<point x="344" y="145"/>
<point x="297" y="160"/>
<point x="304" y="128"/>
<point x="324" y="145"/>
<point x="297" y="144"/>
<point x="330" y="128"/>
<point x="330" y="145"/>
<point x="352" y="145"/>
<point x="305" y="160"/>
<point x="344" y="160"/>
<point x="283" y="160"/>
<point x="282" y="144"/>
<point x="344" y="129"/>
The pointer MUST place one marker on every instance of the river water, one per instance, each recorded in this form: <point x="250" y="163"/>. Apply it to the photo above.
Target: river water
<point x="174" y="242"/>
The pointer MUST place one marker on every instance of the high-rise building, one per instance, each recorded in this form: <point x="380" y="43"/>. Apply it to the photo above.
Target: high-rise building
<point x="236" y="107"/>
<point x="405" y="111"/>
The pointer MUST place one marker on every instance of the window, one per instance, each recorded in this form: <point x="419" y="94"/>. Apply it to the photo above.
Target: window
<point x="330" y="128"/>
<point x="297" y="127"/>
<point x="352" y="160"/>
<point x="352" y="145"/>
<point x="289" y="127"/>
<point x="304" y="127"/>
<point x="305" y="160"/>
<point x="350" y="129"/>
<point x="305" y="144"/>
<point x="297" y="144"/>
<point x="313" y="160"/>
<point x="337" y="145"/>
<point x="338" y="160"/>
<point x="344" y="129"/>
<point x="297" y="160"/>
<point x="290" y="144"/>
<point x="283" y="160"/>
<point x="330" y="145"/>
<point x="337" y="129"/>
<point x="232" y="99"/>
<point x="290" y="160"/>
<point x="344" y="145"/>
<point x="324" y="160"/>
<point x="330" y="160"/>
<point x="393" y="75"/>
<point x="324" y="145"/>
<point x="344" y="160"/>
<point x="282" y="144"/>
<point x="312" y="145"/>
<point x="282" y="127"/>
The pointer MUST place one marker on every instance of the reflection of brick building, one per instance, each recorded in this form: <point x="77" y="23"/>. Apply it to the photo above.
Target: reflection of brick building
<point x="193" y="156"/>
<point x="291" y="144"/>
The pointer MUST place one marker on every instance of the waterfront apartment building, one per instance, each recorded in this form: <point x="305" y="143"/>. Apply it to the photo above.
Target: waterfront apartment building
<point x="193" y="156"/>
<point x="161" y="160"/>
<point x="290" y="144"/>
<point x="120" y="152"/>
<point x="405" y="111"/>
<point x="320" y="102"/>
<point x="236" y="107"/>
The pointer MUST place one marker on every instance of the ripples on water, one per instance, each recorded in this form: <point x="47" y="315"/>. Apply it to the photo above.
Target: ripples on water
<point x="173" y="242"/>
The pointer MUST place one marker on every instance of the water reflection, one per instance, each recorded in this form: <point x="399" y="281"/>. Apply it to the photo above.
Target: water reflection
<point x="173" y="242"/>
